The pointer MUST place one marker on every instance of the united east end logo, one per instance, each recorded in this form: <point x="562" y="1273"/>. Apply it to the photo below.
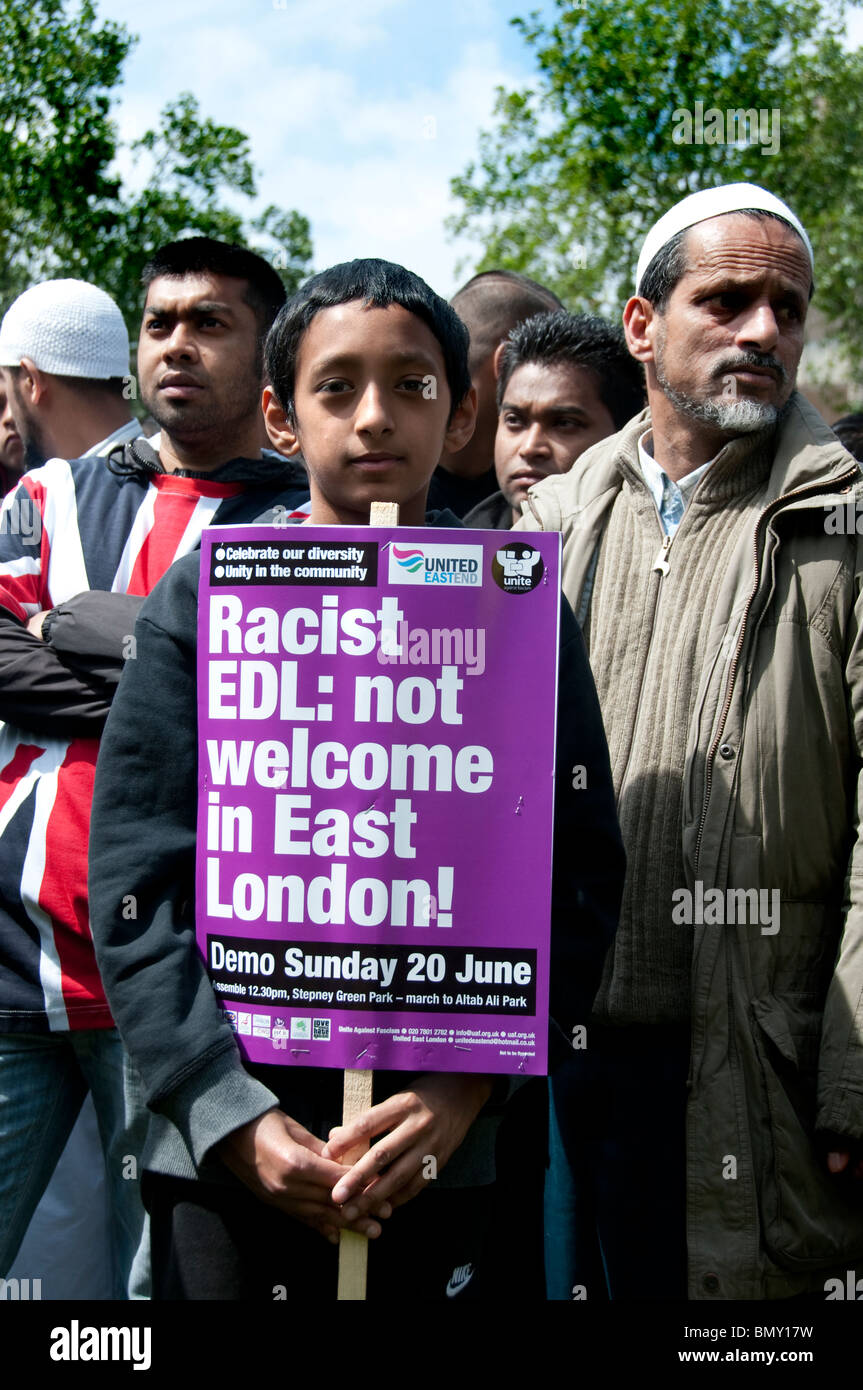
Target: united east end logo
<point x="517" y="568"/>
<point x="435" y="564"/>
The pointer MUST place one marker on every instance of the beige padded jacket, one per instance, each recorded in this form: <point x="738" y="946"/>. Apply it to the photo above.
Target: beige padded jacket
<point x="777" y="1019"/>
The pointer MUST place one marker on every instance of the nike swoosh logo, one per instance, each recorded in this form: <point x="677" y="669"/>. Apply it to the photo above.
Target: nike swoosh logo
<point x="458" y="1279"/>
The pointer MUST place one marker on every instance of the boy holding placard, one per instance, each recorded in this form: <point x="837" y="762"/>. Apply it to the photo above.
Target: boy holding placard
<point x="369" y="381"/>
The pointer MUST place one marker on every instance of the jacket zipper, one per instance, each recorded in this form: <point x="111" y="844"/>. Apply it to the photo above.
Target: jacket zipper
<point x="149" y="465"/>
<point x="661" y="564"/>
<point x="732" y="674"/>
<point x="661" y="561"/>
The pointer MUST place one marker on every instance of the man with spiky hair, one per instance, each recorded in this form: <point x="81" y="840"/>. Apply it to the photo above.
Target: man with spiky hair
<point x="564" y="382"/>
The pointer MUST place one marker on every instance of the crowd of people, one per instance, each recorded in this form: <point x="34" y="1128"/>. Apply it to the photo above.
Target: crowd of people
<point x="700" y="1135"/>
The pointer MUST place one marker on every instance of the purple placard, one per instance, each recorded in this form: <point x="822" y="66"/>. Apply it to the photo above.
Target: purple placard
<point x="376" y="717"/>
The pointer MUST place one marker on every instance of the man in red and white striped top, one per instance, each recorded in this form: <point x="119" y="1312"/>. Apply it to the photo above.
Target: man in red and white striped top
<point x="81" y="543"/>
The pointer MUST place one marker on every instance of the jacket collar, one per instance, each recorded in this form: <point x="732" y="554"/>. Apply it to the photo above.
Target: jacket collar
<point x="806" y="454"/>
<point x="138" y="458"/>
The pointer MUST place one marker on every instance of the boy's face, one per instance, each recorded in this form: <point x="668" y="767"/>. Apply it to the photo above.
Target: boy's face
<point x="549" y="415"/>
<point x="371" y="402"/>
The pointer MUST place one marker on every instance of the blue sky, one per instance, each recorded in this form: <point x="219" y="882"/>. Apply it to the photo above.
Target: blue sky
<point x="359" y="111"/>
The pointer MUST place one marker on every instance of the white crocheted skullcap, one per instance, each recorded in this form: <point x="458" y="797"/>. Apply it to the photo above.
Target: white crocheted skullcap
<point x="712" y="202"/>
<point x="67" y="328"/>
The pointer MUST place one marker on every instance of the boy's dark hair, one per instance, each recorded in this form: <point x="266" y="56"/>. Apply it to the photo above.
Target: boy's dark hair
<point x="378" y="284"/>
<point x="671" y="262"/>
<point x="578" y="340"/>
<point x="199" y="255"/>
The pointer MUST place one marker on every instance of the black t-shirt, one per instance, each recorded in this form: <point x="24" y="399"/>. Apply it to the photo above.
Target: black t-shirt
<point x="448" y="491"/>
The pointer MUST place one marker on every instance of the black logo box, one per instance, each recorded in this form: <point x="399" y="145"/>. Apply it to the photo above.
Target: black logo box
<point x="255" y="985"/>
<point x="324" y="557"/>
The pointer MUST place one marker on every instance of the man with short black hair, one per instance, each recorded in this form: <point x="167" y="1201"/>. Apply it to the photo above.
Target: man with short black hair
<point x="716" y="1130"/>
<point x="491" y="304"/>
<point x="564" y="382"/>
<point x="82" y="542"/>
<point x="262" y="290"/>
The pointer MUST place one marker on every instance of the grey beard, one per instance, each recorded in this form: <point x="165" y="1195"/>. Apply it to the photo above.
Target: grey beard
<point x="730" y="414"/>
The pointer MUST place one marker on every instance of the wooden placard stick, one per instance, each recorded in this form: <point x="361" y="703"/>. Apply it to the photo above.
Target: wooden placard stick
<point x="354" y="1248"/>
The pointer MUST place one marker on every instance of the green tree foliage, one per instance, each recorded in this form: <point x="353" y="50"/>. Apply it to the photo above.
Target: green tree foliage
<point x="581" y="163"/>
<point x="64" y="210"/>
<point x="57" y="142"/>
<point x="191" y="162"/>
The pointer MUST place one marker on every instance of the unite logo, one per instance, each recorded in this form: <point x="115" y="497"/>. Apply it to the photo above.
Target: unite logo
<point x="435" y="564"/>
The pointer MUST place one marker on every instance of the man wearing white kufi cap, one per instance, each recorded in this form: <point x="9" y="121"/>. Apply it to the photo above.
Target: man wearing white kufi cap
<point x="64" y="351"/>
<point x="709" y="558"/>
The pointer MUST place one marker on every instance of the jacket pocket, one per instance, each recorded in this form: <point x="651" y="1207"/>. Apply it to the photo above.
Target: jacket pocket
<point x="809" y="1221"/>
